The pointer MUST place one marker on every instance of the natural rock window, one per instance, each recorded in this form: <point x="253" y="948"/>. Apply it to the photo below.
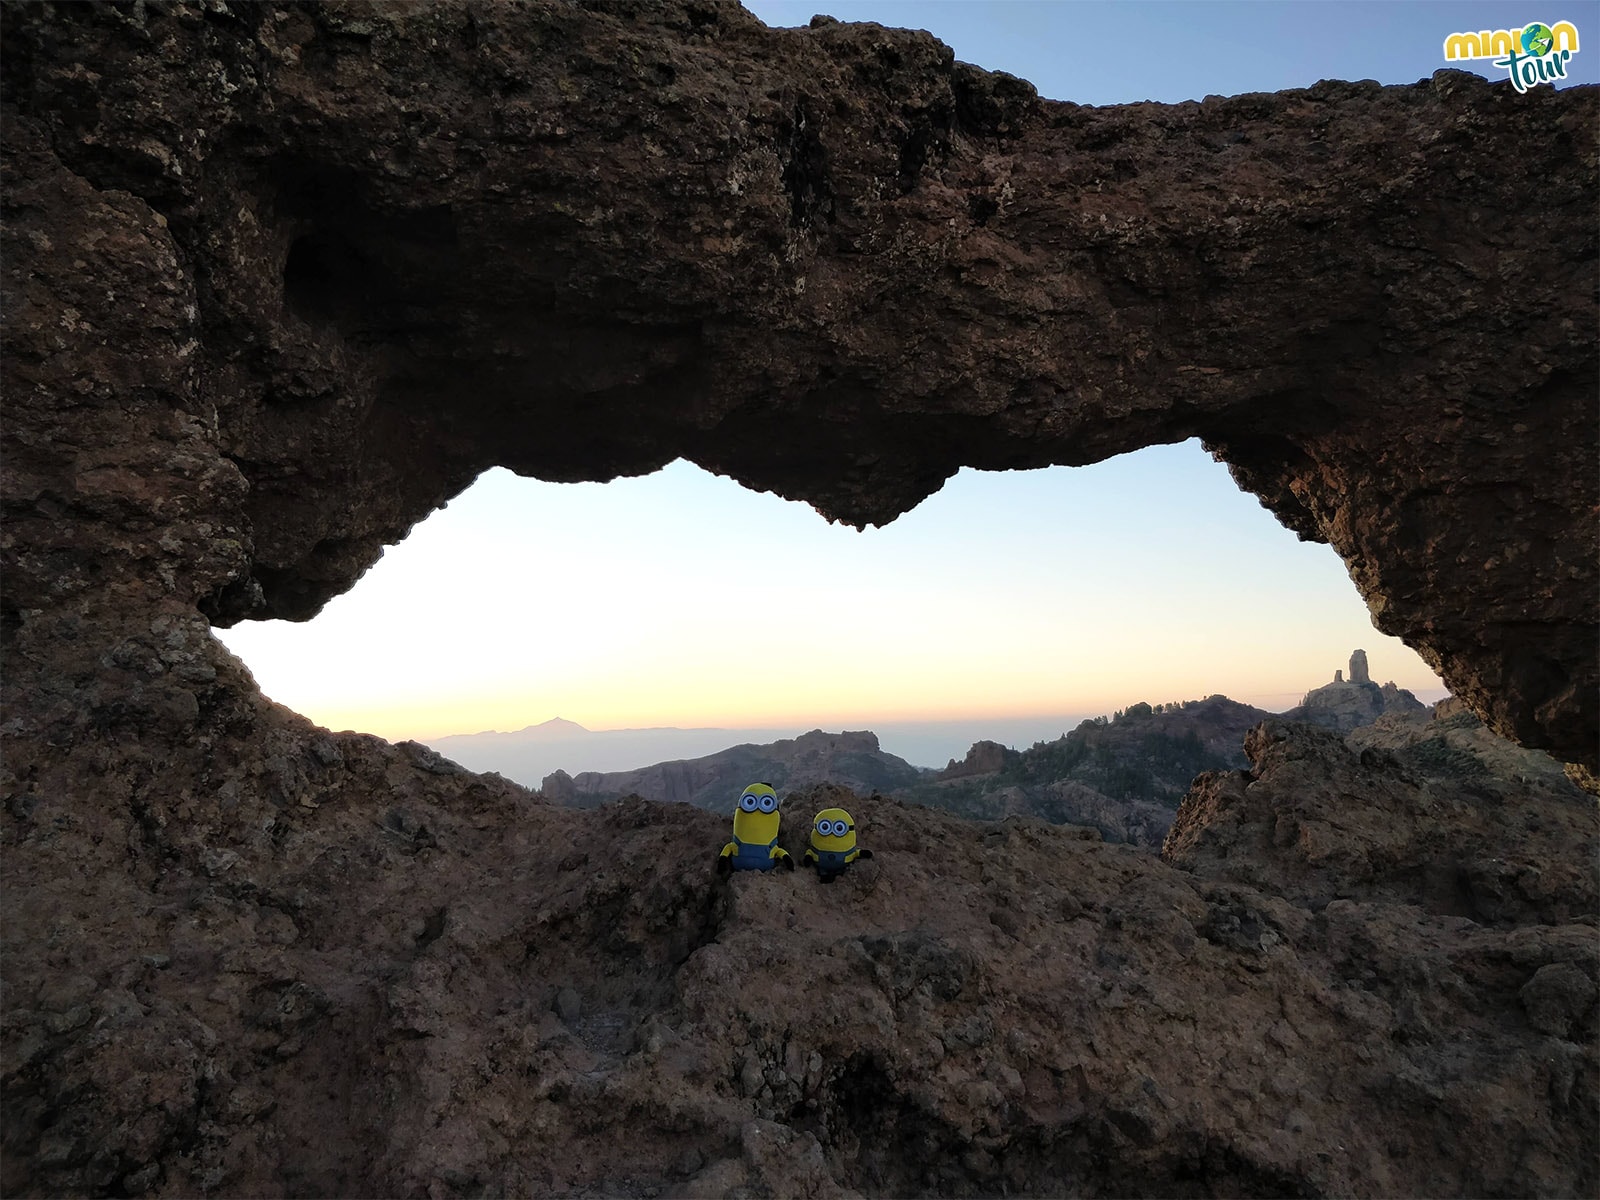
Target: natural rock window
<point x="279" y="280"/>
<point x="683" y="599"/>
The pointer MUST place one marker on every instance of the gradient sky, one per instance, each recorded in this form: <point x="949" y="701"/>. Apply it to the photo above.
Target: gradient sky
<point x="683" y="599"/>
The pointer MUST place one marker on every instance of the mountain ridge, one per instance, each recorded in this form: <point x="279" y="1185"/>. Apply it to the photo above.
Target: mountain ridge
<point x="528" y="754"/>
<point x="924" y="744"/>
<point x="1124" y="775"/>
<point x="850" y="758"/>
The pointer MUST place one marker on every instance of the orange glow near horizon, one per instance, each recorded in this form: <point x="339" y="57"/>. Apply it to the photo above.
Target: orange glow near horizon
<point x="722" y="697"/>
<point x="445" y="716"/>
<point x="683" y="600"/>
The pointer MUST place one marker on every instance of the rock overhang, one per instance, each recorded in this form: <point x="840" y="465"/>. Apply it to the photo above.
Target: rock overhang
<point x="210" y="900"/>
<point x="832" y="263"/>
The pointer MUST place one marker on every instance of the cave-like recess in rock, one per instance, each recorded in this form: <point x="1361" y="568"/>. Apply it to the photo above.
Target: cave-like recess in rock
<point x="359" y="256"/>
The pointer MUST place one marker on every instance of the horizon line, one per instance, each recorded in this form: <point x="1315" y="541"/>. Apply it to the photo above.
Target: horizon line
<point x="854" y="726"/>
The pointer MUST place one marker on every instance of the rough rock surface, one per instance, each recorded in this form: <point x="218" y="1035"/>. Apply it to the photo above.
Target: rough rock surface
<point x="346" y="968"/>
<point x="1315" y="820"/>
<point x="1345" y="705"/>
<point x="283" y="280"/>
<point x="1451" y="737"/>
<point x="277" y="281"/>
<point x="984" y="758"/>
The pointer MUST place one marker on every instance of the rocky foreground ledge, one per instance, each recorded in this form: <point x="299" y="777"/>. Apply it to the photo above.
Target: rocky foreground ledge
<point x="326" y="965"/>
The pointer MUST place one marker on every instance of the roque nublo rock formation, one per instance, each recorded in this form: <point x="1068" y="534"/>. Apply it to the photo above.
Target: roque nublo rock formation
<point x="280" y="280"/>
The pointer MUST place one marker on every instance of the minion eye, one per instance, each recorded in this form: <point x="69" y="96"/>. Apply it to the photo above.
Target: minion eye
<point x="747" y="802"/>
<point x="768" y="803"/>
<point x="836" y="828"/>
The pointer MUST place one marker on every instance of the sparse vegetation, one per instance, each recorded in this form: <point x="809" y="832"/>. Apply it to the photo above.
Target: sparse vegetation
<point x="1126" y="773"/>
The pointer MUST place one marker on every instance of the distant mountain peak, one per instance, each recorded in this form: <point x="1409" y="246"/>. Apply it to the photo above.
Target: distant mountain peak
<point x="556" y="726"/>
<point x="1348" y="704"/>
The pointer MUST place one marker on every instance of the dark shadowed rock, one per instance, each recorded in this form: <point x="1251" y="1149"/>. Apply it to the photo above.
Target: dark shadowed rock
<point x="279" y="281"/>
<point x="1559" y="999"/>
<point x="380" y="250"/>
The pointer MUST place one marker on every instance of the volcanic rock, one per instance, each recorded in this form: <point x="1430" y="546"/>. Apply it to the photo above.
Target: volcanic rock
<point x="557" y="787"/>
<point x="1124" y="777"/>
<point x="984" y="758"/>
<point x="278" y="281"/>
<point x="477" y="993"/>
<point x="1344" y="705"/>
<point x="1444" y="823"/>
<point x="285" y="280"/>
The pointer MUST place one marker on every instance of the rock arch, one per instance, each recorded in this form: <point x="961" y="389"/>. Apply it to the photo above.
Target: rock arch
<point x="343" y="260"/>
<point x="277" y="281"/>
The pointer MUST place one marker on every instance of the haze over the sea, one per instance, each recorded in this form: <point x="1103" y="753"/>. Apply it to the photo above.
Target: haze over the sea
<point x="1017" y="601"/>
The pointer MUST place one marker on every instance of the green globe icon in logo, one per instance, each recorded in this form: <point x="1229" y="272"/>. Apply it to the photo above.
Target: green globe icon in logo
<point x="1537" y="40"/>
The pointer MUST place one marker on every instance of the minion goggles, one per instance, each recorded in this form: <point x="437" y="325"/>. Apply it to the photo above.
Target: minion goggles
<point x="750" y="803"/>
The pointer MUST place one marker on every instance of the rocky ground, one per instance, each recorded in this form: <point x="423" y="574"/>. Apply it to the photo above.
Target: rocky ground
<point x="327" y="965"/>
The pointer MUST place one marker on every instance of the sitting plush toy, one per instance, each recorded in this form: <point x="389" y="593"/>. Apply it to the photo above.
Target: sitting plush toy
<point x="755" y="834"/>
<point x="833" y="844"/>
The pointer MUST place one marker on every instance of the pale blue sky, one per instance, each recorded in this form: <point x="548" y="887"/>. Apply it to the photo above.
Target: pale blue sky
<point x="1174" y="50"/>
<point x="682" y="599"/>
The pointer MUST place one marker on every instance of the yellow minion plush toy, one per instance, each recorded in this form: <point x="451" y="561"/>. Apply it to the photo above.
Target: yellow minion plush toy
<point x="833" y="844"/>
<point x="755" y="834"/>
